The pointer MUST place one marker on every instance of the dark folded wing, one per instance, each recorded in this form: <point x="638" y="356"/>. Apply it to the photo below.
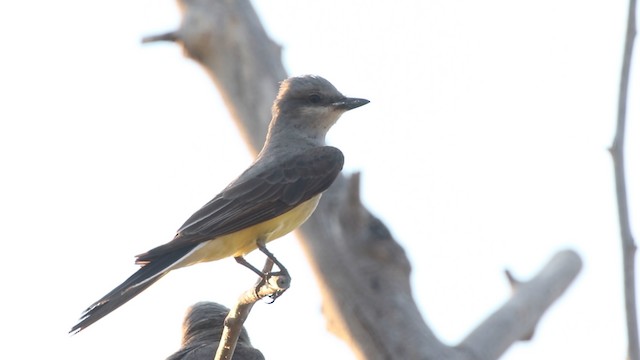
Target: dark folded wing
<point x="256" y="197"/>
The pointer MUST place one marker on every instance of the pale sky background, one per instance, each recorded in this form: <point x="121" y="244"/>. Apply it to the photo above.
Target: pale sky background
<point x="484" y="147"/>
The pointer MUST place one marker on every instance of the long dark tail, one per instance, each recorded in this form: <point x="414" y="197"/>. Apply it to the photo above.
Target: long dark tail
<point x="134" y="285"/>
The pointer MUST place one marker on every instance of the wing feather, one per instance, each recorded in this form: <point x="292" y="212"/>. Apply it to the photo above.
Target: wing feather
<point x="256" y="197"/>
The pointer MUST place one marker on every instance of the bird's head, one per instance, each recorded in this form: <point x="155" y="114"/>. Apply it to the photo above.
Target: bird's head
<point x="309" y="105"/>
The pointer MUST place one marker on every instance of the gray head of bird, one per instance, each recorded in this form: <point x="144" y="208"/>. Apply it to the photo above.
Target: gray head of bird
<point x="307" y="106"/>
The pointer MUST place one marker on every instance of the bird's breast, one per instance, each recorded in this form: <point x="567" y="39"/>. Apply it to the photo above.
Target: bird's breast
<point x="242" y="242"/>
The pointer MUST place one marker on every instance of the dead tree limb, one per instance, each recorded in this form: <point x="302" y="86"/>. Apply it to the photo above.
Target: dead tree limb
<point x="617" y="152"/>
<point x="361" y="269"/>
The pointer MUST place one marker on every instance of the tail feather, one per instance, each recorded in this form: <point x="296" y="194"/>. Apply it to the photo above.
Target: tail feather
<point x="134" y="285"/>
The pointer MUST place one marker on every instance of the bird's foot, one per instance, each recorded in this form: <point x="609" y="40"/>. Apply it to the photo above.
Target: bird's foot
<point x="273" y="284"/>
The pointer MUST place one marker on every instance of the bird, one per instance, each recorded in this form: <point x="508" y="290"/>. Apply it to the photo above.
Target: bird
<point x="273" y="196"/>
<point x="202" y="330"/>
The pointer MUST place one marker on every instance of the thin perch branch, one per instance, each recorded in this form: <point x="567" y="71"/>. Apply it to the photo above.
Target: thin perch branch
<point x="617" y="152"/>
<point x="275" y="284"/>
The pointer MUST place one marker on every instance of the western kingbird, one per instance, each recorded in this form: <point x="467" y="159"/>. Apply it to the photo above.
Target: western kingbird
<point x="201" y="332"/>
<point x="276" y="194"/>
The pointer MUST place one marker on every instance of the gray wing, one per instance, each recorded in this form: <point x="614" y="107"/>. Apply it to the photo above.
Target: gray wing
<point x="250" y="200"/>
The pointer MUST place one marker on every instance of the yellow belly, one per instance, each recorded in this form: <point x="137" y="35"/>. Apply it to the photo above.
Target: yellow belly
<point x="242" y="242"/>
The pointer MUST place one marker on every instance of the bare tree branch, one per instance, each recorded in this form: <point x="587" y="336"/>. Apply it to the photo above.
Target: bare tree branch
<point x="518" y="317"/>
<point x="362" y="271"/>
<point x="217" y="34"/>
<point x="274" y="285"/>
<point x="617" y="152"/>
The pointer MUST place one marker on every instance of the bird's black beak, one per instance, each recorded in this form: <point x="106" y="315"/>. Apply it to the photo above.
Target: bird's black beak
<point x="349" y="103"/>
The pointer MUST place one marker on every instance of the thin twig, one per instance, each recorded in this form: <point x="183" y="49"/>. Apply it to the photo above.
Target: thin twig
<point x="275" y="284"/>
<point x="617" y="152"/>
<point x="171" y="36"/>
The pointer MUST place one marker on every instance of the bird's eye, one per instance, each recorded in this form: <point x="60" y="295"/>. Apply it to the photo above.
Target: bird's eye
<point x="315" y="98"/>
